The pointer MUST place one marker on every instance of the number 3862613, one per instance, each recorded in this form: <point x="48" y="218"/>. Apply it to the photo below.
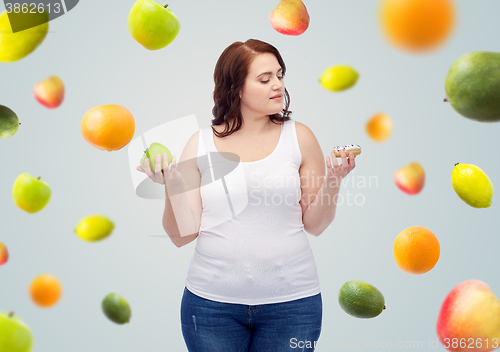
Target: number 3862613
<point x="32" y="8"/>
<point x="470" y="343"/>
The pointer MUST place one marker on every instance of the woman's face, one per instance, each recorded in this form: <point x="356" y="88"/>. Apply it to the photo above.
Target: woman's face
<point x="262" y="93"/>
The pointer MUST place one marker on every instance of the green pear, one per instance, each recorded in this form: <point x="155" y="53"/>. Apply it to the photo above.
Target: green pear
<point x="9" y="122"/>
<point x="153" y="25"/>
<point x="472" y="86"/>
<point x="15" y="335"/>
<point x="15" y="46"/>
<point x="153" y="150"/>
<point x="30" y="194"/>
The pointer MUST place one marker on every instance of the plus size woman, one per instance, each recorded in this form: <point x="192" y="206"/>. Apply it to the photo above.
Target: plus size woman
<point x="252" y="284"/>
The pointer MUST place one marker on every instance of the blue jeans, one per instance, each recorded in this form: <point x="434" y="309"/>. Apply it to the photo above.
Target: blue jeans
<point x="210" y="326"/>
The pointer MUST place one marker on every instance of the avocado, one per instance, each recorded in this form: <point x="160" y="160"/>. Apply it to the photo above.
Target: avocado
<point x="361" y="299"/>
<point x="472" y="86"/>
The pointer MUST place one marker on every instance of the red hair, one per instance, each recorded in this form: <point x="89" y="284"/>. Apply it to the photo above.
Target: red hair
<point x="230" y="73"/>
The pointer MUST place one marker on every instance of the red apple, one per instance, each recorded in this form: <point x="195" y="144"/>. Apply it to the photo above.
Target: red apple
<point x="290" y="17"/>
<point x="469" y="319"/>
<point x="50" y="92"/>
<point x="410" y="178"/>
<point x="4" y="254"/>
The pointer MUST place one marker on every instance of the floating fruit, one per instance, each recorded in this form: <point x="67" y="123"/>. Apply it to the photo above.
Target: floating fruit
<point x="50" y="92"/>
<point x="416" y="250"/>
<point x="469" y="318"/>
<point x="116" y="308"/>
<point x="410" y="178"/>
<point x="417" y="25"/>
<point x="30" y="194"/>
<point x="379" y="127"/>
<point x="15" y="335"/>
<point x="472" y="185"/>
<point x="16" y="46"/>
<point x="9" y="122"/>
<point x="290" y="17"/>
<point x="153" y="25"/>
<point x="108" y="127"/>
<point x="472" y="86"/>
<point x="339" y="78"/>
<point x="361" y="299"/>
<point x="4" y="254"/>
<point x="45" y="290"/>
<point x="94" y="228"/>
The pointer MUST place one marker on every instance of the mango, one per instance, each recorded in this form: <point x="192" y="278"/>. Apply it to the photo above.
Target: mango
<point x="472" y="86"/>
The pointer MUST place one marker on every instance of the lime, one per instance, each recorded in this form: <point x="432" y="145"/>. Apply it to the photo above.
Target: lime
<point x="338" y="78"/>
<point x="94" y="228"/>
<point x="116" y="308"/>
<point x="9" y="122"/>
<point x="472" y="185"/>
<point x="360" y="299"/>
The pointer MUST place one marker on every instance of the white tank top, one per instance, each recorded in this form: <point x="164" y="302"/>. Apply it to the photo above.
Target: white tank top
<point x="252" y="248"/>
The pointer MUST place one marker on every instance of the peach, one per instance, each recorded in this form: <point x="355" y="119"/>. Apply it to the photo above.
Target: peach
<point x="469" y="318"/>
<point x="4" y="254"/>
<point x="290" y="17"/>
<point x="410" y="178"/>
<point x="379" y="127"/>
<point x="50" y="92"/>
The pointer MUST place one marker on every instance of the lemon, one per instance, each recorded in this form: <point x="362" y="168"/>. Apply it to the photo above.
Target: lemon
<point x="116" y="308"/>
<point x="361" y="299"/>
<point x="472" y="185"/>
<point x="94" y="228"/>
<point x="338" y="78"/>
<point x="16" y="46"/>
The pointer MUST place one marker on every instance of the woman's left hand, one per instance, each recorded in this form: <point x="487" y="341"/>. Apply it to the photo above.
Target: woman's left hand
<point x="337" y="171"/>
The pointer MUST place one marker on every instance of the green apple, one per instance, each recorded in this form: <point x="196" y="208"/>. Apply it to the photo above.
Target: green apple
<point x="153" y="150"/>
<point x="30" y="194"/>
<point x="9" y="122"/>
<point x="16" y="46"/>
<point x="153" y="25"/>
<point x="15" y="335"/>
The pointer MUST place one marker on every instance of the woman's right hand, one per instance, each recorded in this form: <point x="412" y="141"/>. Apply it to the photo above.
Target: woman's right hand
<point x="171" y="178"/>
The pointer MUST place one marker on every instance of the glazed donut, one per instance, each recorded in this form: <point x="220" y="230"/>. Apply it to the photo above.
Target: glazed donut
<point x="355" y="148"/>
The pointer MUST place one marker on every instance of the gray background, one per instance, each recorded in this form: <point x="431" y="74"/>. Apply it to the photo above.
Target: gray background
<point x="99" y="62"/>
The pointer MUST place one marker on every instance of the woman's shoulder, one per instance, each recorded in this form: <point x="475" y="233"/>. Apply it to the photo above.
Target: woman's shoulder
<point x="191" y="147"/>
<point x="304" y="133"/>
<point x="308" y="144"/>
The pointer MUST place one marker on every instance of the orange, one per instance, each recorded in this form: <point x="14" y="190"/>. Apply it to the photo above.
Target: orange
<point x="416" y="250"/>
<point x="417" y="25"/>
<point x="108" y="127"/>
<point x="45" y="290"/>
<point x="379" y="127"/>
